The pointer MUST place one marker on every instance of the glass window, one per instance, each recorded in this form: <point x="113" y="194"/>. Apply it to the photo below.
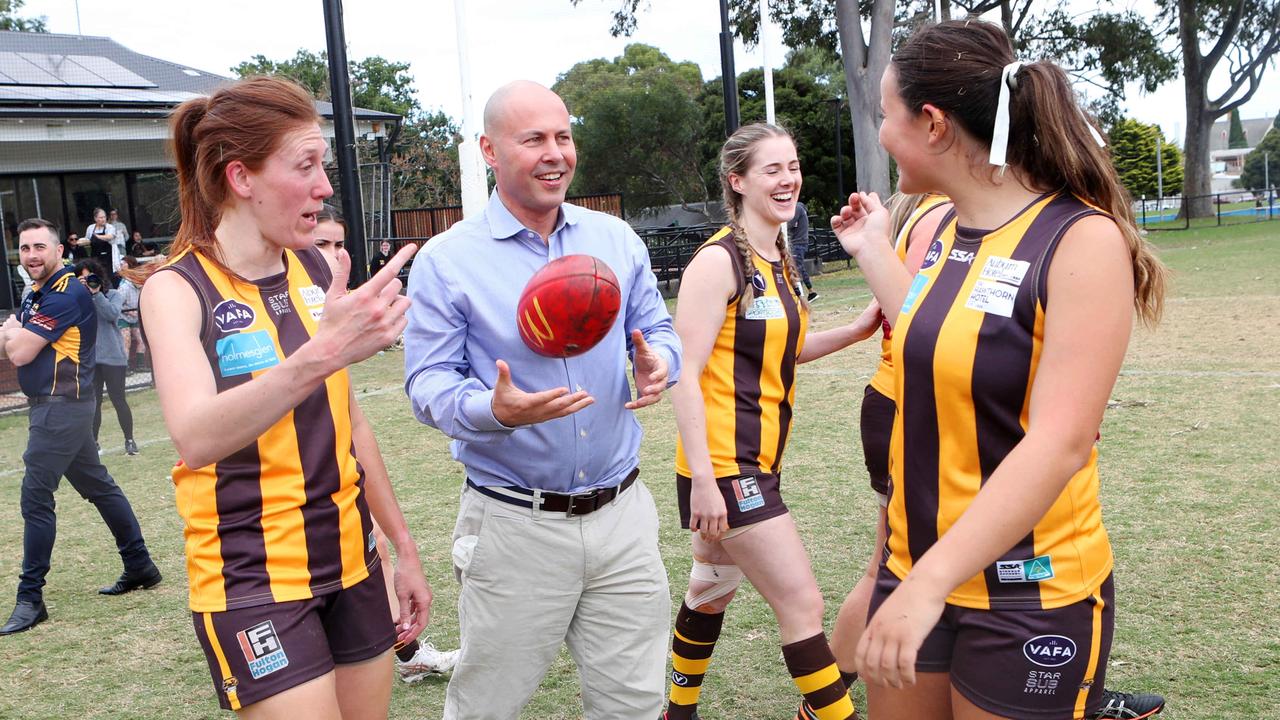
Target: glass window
<point x="155" y="205"/>
<point x="86" y="191"/>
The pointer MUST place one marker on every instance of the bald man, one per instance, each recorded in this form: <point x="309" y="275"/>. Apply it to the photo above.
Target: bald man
<point x="556" y="540"/>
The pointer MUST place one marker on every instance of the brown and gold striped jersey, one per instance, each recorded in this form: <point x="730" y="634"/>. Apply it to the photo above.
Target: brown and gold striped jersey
<point x="965" y="353"/>
<point x="748" y="384"/>
<point x="882" y="380"/>
<point x="284" y="518"/>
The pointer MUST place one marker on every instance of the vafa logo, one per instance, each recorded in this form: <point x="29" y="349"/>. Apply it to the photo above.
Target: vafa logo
<point x="1050" y="650"/>
<point x="232" y="315"/>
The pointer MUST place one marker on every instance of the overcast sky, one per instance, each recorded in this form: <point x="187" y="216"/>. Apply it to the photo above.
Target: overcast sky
<point x="509" y="39"/>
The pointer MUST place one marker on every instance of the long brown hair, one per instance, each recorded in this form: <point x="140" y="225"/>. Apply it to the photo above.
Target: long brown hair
<point x="735" y="158"/>
<point x="245" y="121"/>
<point x="956" y="66"/>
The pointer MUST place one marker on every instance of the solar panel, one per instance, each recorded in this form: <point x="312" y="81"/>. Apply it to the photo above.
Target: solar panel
<point x="91" y="95"/>
<point x="23" y="72"/>
<point x="112" y="73"/>
<point x="54" y="70"/>
<point x="62" y="68"/>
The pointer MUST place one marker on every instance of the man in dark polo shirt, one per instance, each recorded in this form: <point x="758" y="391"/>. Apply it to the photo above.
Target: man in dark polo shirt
<point x="51" y="341"/>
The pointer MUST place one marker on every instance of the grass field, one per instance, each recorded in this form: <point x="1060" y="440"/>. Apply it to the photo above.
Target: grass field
<point x="1189" y="468"/>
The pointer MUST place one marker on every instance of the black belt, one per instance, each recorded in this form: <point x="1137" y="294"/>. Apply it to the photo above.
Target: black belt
<point x="44" y="399"/>
<point x="570" y="505"/>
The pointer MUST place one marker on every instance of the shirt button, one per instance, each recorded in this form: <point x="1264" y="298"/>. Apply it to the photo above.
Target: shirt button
<point x="579" y="387"/>
<point x="582" y="474"/>
<point x="582" y="433"/>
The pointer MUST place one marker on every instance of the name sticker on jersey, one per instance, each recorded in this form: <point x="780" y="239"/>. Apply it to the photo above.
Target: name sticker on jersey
<point x="747" y="492"/>
<point x="1005" y="270"/>
<point x="766" y="308"/>
<point x="311" y="295"/>
<point x="992" y="297"/>
<point x="917" y="287"/>
<point x="1019" y="571"/>
<point x="262" y="649"/>
<point x="244" y="353"/>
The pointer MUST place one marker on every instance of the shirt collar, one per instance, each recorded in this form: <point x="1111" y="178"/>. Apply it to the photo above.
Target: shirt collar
<point x="49" y="281"/>
<point x="504" y="225"/>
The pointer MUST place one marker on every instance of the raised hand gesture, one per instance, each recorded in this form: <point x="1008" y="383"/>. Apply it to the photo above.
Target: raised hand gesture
<point x="650" y="373"/>
<point x="359" y="323"/>
<point x="863" y="220"/>
<point x="513" y="406"/>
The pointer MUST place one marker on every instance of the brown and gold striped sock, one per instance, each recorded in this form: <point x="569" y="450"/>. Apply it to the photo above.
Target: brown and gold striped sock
<point x="406" y="652"/>
<point x="813" y="668"/>
<point x="695" y="638"/>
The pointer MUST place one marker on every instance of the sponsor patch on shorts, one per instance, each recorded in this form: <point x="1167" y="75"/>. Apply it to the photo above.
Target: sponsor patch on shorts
<point x="262" y="649"/>
<point x="747" y="493"/>
<point x="1036" y="569"/>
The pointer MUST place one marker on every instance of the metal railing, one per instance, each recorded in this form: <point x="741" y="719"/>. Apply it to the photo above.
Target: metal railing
<point x="1231" y="207"/>
<point x="670" y="249"/>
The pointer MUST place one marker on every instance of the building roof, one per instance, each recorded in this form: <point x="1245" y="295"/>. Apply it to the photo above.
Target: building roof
<point x="1254" y="130"/>
<point x="52" y="75"/>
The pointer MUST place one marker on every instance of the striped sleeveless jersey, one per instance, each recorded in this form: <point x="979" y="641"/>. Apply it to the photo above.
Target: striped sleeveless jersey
<point x="283" y="518"/>
<point x="965" y="353"/>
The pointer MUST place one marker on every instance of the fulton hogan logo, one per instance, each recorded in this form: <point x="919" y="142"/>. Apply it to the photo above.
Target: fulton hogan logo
<point x="1050" y="650"/>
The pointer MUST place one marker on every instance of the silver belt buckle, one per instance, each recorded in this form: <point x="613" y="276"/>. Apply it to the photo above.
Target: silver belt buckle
<point x="568" y="513"/>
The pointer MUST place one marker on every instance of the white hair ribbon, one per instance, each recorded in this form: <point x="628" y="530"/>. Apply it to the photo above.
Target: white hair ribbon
<point x="1092" y="130"/>
<point x="1000" y="134"/>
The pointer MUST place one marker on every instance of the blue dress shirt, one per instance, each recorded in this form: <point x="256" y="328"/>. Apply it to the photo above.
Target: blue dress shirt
<point x="464" y="285"/>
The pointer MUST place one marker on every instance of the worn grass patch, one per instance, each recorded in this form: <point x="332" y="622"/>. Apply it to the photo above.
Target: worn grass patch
<point x="1189" y="469"/>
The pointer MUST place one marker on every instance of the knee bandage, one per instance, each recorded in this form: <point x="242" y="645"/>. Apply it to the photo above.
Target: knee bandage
<point x="724" y="578"/>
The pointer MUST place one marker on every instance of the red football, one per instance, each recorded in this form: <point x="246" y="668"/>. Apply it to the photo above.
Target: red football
<point x="568" y="306"/>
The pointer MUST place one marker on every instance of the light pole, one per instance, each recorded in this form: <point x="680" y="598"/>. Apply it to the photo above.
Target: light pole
<point x="344" y="136"/>
<point x="729" y="77"/>
<point x="836" y="103"/>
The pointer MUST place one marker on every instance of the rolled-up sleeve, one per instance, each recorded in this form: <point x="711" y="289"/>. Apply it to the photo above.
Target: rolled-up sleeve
<point x="443" y="391"/>
<point x="647" y="311"/>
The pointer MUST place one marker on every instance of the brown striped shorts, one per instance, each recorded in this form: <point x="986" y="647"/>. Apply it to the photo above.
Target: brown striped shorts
<point x="261" y="651"/>
<point x="1033" y="664"/>
<point x="748" y="498"/>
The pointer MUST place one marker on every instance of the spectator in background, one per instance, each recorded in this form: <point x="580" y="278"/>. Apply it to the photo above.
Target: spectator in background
<point x="122" y="238"/>
<point x="130" y="330"/>
<point x="76" y="248"/>
<point x="377" y="262"/>
<point x="139" y="248"/>
<point x="51" y="342"/>
<point x="102" y="241"/>
<point x="798" y="236"/>
<point x="109" y="357"/>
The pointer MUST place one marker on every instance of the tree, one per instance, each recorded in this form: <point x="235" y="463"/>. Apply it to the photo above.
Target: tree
<point x="376" y="83"/>
<point x="425" y="170"/>
<point x="424" y="157"/>
<point x="1254" y="175"/>
<point x="1107" y="49"/>
<point x="1133" y="150"/>
<point x="1244" y="33"/>
<point x="9" y="19"/>
<point x="635" y="121"/>
<point x="1235" y="136"/>
<point x="803" y="90"/>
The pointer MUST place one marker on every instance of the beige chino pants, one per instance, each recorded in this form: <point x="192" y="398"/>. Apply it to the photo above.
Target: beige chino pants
<point x="532" y="580"/>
